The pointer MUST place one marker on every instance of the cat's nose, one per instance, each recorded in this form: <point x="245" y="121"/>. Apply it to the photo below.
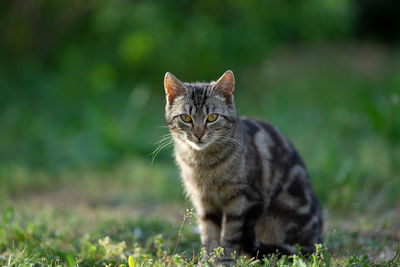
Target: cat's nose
<point x="198" y="133"/>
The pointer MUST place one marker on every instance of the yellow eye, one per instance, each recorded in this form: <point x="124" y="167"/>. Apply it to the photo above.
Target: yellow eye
<point x="212" y="117"/>
<point x="186" y="118"/>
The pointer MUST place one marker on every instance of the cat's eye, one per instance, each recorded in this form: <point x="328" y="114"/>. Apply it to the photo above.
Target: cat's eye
<point x="186" y="118"/>
<point x="212" y="117"/>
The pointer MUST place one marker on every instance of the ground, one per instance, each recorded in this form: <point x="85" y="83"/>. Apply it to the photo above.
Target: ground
<point x="94" y="218"/>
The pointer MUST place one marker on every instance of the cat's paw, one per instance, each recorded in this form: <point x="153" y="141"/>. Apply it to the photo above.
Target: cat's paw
<point x="225" y="261"/>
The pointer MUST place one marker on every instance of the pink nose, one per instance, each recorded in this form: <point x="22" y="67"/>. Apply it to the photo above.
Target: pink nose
<point x="199" y="134"/>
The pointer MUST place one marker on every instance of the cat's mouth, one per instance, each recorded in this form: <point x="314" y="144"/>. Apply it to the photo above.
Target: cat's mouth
<point x="198" y="144"/>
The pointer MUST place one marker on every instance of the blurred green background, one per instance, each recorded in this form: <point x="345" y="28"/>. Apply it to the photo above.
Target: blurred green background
<point x="82" y="106"/>
<point x="82" y="98"/>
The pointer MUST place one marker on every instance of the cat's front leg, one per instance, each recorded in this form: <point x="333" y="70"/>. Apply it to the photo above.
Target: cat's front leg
<point x="231" y="234"/>
<point x="210" y="230"/>
<point x="238" y="228"/>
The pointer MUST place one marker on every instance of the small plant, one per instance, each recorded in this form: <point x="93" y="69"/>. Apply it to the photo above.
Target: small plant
<point x="112" y="250"/>
<point x="187" y="216"/>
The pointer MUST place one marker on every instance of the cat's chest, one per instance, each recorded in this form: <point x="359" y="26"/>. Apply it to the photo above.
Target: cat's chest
<point x="211" y="186"/>
<point x="206" y="179"/>
<point x="212" y="177"/>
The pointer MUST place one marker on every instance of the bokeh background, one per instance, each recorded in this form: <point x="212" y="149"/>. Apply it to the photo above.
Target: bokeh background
<point x="82" y="102"/>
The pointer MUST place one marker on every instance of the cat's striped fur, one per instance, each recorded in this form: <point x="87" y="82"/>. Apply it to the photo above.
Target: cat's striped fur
<point x="248" y="185"/>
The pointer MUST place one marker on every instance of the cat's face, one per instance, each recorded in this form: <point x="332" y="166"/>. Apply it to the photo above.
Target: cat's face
<point x="200" y="114"/>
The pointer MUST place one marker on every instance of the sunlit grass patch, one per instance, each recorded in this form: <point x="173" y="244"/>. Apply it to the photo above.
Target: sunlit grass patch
<point x="55" y="237"/>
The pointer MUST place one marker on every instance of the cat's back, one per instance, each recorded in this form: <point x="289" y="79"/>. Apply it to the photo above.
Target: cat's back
<point x="265" y="134"/>
<point x="272" y="161"/>
<point x="267" y="143"/>
<point x="276" y="169"/>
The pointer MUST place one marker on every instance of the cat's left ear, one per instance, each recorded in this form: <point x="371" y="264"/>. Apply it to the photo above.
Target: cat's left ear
<point x="225" y="85"/>
<point x="173" y="87"/>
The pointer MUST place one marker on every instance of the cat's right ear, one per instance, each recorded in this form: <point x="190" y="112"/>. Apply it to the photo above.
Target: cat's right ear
<point x="173" y="87"/>
<point x="225" y="86"/>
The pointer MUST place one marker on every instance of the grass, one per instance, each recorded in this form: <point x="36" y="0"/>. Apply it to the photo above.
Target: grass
<point x="101" y="218"/>
<point x="340" y="107"/>
<point x="55" y="237"/>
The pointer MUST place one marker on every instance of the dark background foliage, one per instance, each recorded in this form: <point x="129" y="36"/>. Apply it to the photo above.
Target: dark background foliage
<point x="81" y="81"/>
<point x="82" y="105"/>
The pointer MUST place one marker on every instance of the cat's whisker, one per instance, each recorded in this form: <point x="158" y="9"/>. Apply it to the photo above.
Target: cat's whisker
<point x="229" y="140"/>
<point x="157" y="151"/>
<point x="161" y="141"/>
<point x="232" y="141"/>
<point x="166" y="135"/>
<point x="163" y="138"/>
<point x="164" y="142"/>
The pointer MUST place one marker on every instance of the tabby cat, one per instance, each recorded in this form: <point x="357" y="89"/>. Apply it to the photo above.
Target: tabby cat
<point x="249" y="187"/>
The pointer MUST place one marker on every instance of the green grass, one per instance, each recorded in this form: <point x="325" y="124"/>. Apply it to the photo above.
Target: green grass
<point x="102" y="217"/>
<point x="53" y="237"/>
<point x="340" y="107"/>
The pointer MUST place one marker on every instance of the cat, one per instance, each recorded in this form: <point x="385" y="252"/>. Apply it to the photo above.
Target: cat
<point x="248" y="185"/>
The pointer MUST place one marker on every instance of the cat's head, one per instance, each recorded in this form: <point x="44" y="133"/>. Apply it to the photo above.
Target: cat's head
<point x="200" y="114"/>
